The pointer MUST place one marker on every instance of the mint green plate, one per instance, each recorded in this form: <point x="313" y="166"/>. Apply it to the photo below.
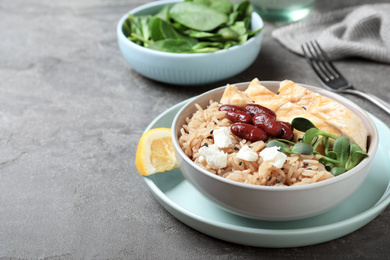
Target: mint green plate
<point x="188" y="205"/>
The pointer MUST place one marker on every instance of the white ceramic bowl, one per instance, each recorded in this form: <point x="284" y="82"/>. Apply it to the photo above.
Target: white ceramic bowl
<point x="273" y="203"/>
<point x="191" y="68"/>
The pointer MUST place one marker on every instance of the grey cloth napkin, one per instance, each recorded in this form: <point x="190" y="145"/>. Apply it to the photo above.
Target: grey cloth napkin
<point x="360" y="31"/>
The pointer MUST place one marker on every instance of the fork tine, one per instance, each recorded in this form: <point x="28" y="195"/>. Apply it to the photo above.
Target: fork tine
<point x="323" y="66"/>
<point x="313" y="60"/>
<point x="325" y="60"/>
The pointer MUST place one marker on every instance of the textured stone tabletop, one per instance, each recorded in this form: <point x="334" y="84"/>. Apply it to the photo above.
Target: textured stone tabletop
<point x="71" y="114"/>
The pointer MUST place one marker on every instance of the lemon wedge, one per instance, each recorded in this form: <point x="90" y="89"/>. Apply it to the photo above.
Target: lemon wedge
<point x="155" y="152"/>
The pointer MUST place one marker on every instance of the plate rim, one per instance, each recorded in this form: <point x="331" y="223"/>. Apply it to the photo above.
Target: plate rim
<point x="363" y="217"/>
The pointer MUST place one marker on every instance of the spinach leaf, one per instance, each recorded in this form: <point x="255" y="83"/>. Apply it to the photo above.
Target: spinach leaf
<point x="243" y="9"/>
<point x="179" y="27"/>
<point x="196" y="16"/>
<point x="201" y="46"/>
<point x="161" y="29"/>
<point x="163" y="13"/>
<point x="202" y="35"/>
<point x="140" y="31"/>
<point x="227" y="34"/>
<point x="239" y="27"/>
<point x="173" y="45"/>
<point x="207" y="25"/>
<point x="222" y="6"/>
<point x="126" y="27"/>
<point x="233" y="17"/>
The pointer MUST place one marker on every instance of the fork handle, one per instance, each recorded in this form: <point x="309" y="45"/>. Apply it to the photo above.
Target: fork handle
<point x="374" y="99"/>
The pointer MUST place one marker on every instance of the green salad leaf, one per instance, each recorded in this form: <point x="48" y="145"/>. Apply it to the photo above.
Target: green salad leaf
<point x="172" y="45"/>
<point x="192" y="26"/>
<point x="197" y="16"/>
<point x="222" y="6"/>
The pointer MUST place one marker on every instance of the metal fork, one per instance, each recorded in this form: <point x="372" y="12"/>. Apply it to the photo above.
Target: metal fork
<point x="331" y="78"/>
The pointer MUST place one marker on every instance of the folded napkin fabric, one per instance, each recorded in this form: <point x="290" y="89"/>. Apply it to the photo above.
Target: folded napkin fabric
<point x="360" y="31"/>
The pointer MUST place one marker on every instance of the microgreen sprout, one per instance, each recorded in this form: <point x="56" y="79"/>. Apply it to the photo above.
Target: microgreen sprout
<point x="297" y="148"/>
<point x="339" y="158"/>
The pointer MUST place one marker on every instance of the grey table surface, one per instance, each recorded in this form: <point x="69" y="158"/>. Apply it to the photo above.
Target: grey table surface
<point x="71" y="114"/>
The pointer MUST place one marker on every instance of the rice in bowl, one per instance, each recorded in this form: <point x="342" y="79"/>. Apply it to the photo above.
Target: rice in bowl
<point x="198" y="132"/>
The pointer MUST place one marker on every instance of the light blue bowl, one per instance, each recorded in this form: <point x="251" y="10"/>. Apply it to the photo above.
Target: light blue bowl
<point x="191" y="68"/>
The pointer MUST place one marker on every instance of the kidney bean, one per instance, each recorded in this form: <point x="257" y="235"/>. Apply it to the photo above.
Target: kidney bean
<point x="248" y="132"/>
<point x="267" y="123"/>
<point x="254" y="109"/>
<point x="287" y="131"/>
<point x="238" y="117"/>
<point x="287" y="124"/>
<point x="229" y="108"/>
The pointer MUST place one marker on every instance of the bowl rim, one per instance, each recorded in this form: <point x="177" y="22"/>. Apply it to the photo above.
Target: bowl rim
<point x="374" y="142"/>
<point x="254" y="17"/>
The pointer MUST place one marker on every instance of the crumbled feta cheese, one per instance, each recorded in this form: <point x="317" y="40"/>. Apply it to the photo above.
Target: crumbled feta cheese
<point x="273" y="156"/>
<point x="222" y="137"/>
<point x="214" y="157"/>
<point x="247" y="154"/>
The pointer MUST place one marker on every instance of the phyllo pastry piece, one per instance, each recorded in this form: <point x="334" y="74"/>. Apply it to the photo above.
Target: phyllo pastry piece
<point x="263" y="96"/>
<point x="327" y="109"/>
<point x="233" y="96"/>
<point x="289" y="111"/>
